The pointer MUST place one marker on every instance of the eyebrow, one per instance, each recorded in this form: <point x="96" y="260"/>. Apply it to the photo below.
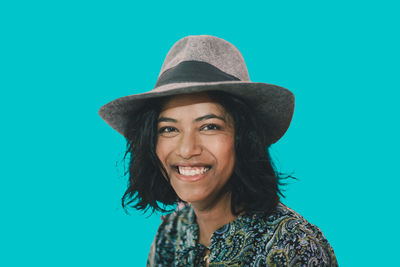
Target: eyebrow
<point x="210" y="116"/>
<point x="202" y="118"/>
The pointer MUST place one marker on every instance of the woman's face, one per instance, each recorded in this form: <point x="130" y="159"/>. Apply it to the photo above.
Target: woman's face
<point x="196" y="147"/>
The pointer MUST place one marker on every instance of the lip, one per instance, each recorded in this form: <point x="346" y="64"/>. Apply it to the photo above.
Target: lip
<point x="191" y="178"/>
<point x="191" y="165"/>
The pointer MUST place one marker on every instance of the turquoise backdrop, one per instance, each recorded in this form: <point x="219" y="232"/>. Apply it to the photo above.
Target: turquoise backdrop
<point x="61" y="170"/>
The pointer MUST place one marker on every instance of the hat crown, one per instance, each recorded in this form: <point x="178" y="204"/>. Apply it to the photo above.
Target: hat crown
<point x="203" y="63"/>
<point x="209" y="49"/>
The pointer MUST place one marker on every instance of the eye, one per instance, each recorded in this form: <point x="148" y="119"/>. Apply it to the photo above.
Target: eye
<point x="167" y="129"/>
<point x="211" y="126"/>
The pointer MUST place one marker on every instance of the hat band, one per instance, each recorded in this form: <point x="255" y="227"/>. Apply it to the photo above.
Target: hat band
<point x="194" y="71"/>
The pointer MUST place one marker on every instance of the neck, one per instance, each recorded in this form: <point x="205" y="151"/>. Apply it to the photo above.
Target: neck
<point x="211" y="217"/>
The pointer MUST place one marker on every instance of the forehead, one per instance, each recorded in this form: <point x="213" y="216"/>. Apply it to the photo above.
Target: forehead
<point x="199" y="102"/>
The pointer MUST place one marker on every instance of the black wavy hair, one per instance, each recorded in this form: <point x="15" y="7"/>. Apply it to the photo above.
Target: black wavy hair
<point x="254" y="184"/>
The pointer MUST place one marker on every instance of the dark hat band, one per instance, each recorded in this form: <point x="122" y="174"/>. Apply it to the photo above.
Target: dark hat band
<point x="194" y="71"/>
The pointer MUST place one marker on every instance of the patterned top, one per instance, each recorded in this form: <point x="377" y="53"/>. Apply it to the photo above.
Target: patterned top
<point x="283" y="238"/>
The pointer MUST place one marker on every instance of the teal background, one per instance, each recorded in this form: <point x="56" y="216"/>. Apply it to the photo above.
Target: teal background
<point x="61" y="170"/>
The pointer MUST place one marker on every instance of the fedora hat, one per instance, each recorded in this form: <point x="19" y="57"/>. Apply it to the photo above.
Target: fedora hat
<point x="207" y="63"/>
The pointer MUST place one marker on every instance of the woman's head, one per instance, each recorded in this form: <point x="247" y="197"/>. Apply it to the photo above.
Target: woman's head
<point x="215" y="132"/>
<point x="196" y="146"/>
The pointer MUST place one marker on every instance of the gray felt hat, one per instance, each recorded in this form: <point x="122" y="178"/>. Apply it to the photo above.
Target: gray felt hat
<point x="204" y="63"/>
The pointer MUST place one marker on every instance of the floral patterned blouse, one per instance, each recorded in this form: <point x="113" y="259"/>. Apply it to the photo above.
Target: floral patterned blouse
<point x="283" y="238"/>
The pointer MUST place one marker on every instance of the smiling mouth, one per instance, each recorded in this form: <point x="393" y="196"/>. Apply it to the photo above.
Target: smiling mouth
<point x="192" y="171"/>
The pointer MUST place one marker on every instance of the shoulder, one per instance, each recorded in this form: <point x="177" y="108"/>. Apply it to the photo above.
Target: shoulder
<point x="293" y="240"/>
<point x="175" y="223"/>
<point x="170" y="237"/>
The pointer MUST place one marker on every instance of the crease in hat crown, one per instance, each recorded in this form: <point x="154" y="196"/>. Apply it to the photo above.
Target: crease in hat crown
<point x="209" y="49"/>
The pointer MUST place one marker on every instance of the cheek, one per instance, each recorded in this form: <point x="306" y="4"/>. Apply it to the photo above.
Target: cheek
<point x="163" y="148"/>
<point x="162" y="154"/>
<point x="160" y="151"/>
<point x="224" y="151"/>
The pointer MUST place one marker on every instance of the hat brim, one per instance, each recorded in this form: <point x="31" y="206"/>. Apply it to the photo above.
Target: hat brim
<point x="274" y="103"/>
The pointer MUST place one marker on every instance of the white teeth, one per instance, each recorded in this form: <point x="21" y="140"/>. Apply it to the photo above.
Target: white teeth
<point x="191" y="171"/>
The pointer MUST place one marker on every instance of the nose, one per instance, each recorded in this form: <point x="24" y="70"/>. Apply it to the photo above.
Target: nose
<point x="189" y="145"/>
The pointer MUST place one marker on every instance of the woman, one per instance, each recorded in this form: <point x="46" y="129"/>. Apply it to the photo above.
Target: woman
<point x="200" y="139"/>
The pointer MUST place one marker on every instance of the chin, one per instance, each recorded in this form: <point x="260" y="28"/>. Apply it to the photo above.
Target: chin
<point x="191" y="195"/>
<point x="191" y="198"/>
